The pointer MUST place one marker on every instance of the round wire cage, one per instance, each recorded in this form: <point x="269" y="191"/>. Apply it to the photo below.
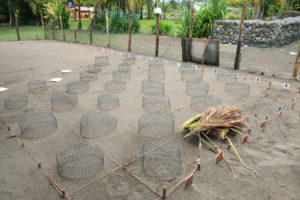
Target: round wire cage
<point x="78" y="87"/>
<point x="201" y="103"/>
<point x="156" y="68"/>
<point x="156" y="125"/>
<point x="126" y="67"/>
<point x="63" y="101"/>
<point x="95" y="124"/>
<point x="156" y="103"/>
<point x="197" y="88"/>
<point x="115" y="86"/>
<point x="153" y="87"/>
<point x="226" y="77"/>
<point x="101" y="61"/>
<point x="156" y="76"/>
<point x="108" y="102"/>
<point x="79" y="162"/>
<point x="163" y="163"/>
<point x="237" y="89"/>
<point x="15" y="102"/>
<point x="188" y="75"/>
<point x="37" y="86"/>
<point x="186" y="66"/>
<point x="156" y="61"/>
<point x="127" y="62"/>
<point x="93" y="68"/>
<point x="121" y="75"/>
<point x="86" y="76"/>
<point x="38" y="124"/>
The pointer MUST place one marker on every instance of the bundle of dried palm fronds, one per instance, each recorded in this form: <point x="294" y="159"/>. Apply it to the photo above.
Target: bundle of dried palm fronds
<point x="216" y="121"/>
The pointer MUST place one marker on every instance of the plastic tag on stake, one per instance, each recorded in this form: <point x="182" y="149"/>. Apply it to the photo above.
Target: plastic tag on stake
<point x="235" y="75"/>
<point x="55" y="79"/>
<point x="215" y="71"/>
<point x="257" y="79"/>
<point x="245" y="138"/>
<point x="195" y="67"/>
<point x="165" y="61"/>
<point x="66" y="71"/>
<point x="178" y="64"/>
<point x="286" y="86"/>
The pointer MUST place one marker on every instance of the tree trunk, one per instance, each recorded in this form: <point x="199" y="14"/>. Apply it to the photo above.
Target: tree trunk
<point x="262" y="12"/>
<point x="109" y="8"/>
<point x="124" y="11"/>
<point x="189" y="6"/>
<point x="17" y="27"/>
<point x="79" y="16"/>
<point x="75" y="18"/>
<point x="129" y="31"/>
<point x="90" y="28"/>
<point x="274" y="3"/>
<point x="258" y="10"/>
<point x="251" y="12"/>
<point x="10" y="13"/>
<point x="99" y="10"/>
<point x="62" y="28"/>
<point x="95" y="16"/>
<point x="163" y="5"/>
<point x="118" y="10"/>
<point x="279" y="16"/>
<point x="149" y="8"/>
<point x="43" y="26"/>
<point x="141" y="14"/>
<point x="107" y="28"/>
<point x="74" y="26"/>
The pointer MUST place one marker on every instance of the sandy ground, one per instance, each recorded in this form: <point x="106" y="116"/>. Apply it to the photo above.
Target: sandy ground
<point x="272" y="152"/>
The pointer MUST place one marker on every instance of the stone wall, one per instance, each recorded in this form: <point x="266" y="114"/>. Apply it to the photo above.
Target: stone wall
<point x="257" y="32"/>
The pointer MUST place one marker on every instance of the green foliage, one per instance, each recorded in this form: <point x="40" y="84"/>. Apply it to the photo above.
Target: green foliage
<point x="119" y="25"/>
<point x="203" y="19"/>
<point x="101" y="23"/>
<point x="54" y="9"/>
<point x="166" y="27"/>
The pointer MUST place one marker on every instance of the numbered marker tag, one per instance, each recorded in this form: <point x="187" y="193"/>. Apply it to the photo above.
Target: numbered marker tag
<point x="103" y="50"/>
<point x="139" y="57"/>
<point x="195" y="67"/>
<point x="279" y="108"/>
<point x="235" y="75"/>
<point x="165" y="61"/>
<point x="129" y="55"/>
<point x="286" y="86"/>
<point x="215" y="71"/>
<point x="151" y="58"/>
<point x="257" y="79"/>
<point x="178" y="64"/>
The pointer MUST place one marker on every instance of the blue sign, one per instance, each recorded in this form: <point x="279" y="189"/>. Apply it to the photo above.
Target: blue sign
<point x="70" y="4"/>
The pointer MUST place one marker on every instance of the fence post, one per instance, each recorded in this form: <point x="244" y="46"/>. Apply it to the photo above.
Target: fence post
<point x="43" y="26"/>
<point x="129" y="31"/>
<point x="238" y="49"/>
<point x="190" y="36"/>
<point x="90" y="28"/>
<point x="17" y="27"/>
<point x="52" y="28"/>
<point x="157" y="35"/>
<point x="74" y="26"/>
<point x="297" y="63"/>
<point x="62" y="28"/>
<point x="107" y="28"/>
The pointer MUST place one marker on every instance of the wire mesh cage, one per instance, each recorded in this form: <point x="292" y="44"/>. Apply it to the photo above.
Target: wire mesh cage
<point x="15" y="102"/>
<point x="188" y="75"/>
<point x="37" y="86"/>
<point x="95" y="124"/>
<point x="156" y="125"/>
<point x="153" y="87"/>
<point x="186" y="66"/>
<point x="93" y="68"/>
<point x="38" y="124"/>
<point x="86" y="76"/>
<point x="201" y="103"/>
<point x="123" y="66"/>
<point x="115" y="86"/>
<point x="226" y="77"/>
<point x="101" y="61"/>
<point x="156" y="76"/>
<point x="108" y="102"/>
<point x="156" y="103"/>
<point x="127" y="61"/>
<point x="78" y="87"/>
<point x="63" y="101"/>
<point x="162" y="164"/>
<point x="156" y="68"/>
<point x="79" y="162"/>
<point x="130" y="55"/>
<point x="156" y="61"/>
<point x="121" y="75"/>
<point x="197" y="88"/>
<point x="237" y="89"/>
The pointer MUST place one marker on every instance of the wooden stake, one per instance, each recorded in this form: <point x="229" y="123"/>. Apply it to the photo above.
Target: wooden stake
<point x="62" y="28"/>
<point x="190" y="36"/>
<point x="129" y="31"/>
<point x="74" y="26"/>
<point x="296" y="64"/>
<point x="164" y="196"/>
<point x="293" y="104"/>
<point x="90" y="28"/>
<point x="157" y="35"/>
<point x="52" y="28"/>
<point x="107" y="28"/>
<point x="238" y="49"/>
<point x="17" y="27"/>
<point x="43" y="26"/>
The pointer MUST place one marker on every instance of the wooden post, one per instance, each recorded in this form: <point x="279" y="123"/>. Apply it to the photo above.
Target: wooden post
<point x="238" y="49"/>
<point x="157" y="35"/>
<point x="90" y="28"/>
<point x="62" y="28"/>
<point x="129" y="31"/>
<point x="164" y="196"/>
<point x="52" y="28"/>
<point x="296" y="64"/>
<point x="190" y="36"/>
<point x="74" y="25"/>
<point x="43" y="26"/>
<point x="17" y="27"/>
<point x="107" y="28"/>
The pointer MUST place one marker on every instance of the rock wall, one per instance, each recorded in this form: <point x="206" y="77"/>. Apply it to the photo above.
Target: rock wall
<point x="257" y="32"/>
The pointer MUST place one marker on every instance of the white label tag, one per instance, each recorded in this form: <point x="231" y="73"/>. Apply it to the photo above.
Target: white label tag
<point x="257" y="79"/>
<point x="2" y="89"/>
<point x="66" y="71"/>
<point x="286" y="86"/>
<point x="178" y="64"/>
<point x="195" y="67"/>
<point x="55" y="79"/>
<point x="215" y="71"/>
<point x="165" y="61"/>
<point x="151" y="58"/>
<point x="235" y="75"/>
